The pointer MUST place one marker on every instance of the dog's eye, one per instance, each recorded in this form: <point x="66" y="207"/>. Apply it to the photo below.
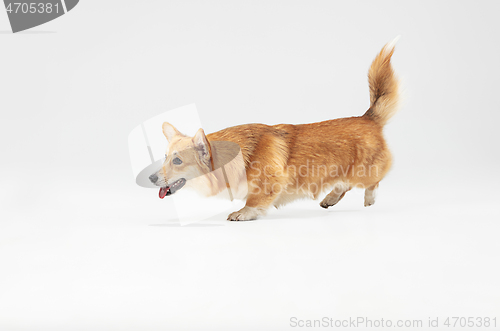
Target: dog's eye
<point x="177" y="161"/>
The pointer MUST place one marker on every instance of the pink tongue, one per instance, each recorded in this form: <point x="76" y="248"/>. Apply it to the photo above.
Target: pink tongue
<point x="163" y="192"/>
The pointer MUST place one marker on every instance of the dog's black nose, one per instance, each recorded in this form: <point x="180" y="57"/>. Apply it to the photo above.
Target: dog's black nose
<point x="153" y="178"/>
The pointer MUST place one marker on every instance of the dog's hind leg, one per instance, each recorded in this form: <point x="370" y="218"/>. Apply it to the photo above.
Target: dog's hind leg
<point x="335" y="195"/>
<point x="370" y="195"/>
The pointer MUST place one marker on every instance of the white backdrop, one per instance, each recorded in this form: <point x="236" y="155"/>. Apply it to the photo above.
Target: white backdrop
<point x="81" y="246"/>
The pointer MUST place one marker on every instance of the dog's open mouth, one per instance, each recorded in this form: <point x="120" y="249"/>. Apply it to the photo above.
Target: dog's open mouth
<point x="169" y="190"/>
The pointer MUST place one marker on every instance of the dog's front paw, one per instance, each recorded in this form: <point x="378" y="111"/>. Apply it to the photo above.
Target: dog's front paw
<point x="244" y="214"/>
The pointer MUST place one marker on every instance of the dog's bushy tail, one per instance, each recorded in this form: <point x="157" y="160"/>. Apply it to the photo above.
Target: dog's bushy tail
<point x="384" y="86"/>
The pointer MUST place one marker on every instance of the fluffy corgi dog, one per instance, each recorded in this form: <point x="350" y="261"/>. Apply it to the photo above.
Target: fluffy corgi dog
<point x="284" y="162"/>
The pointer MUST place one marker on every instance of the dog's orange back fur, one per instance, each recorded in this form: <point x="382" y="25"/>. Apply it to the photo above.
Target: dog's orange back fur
<point x="280" y="155"/>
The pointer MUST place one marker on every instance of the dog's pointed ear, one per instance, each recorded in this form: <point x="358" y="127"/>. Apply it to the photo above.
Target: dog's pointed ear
<point x="170" y="131"/>
<point x="201" y="144"/>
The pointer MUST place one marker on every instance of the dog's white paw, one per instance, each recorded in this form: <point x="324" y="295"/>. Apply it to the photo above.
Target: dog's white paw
<point x="244" y="214"/>
<point x="369" y="200"/>
<point x="370" y="196"/>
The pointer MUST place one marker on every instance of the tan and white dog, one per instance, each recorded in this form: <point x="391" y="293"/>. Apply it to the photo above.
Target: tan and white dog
<point x="284" y="162"/>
